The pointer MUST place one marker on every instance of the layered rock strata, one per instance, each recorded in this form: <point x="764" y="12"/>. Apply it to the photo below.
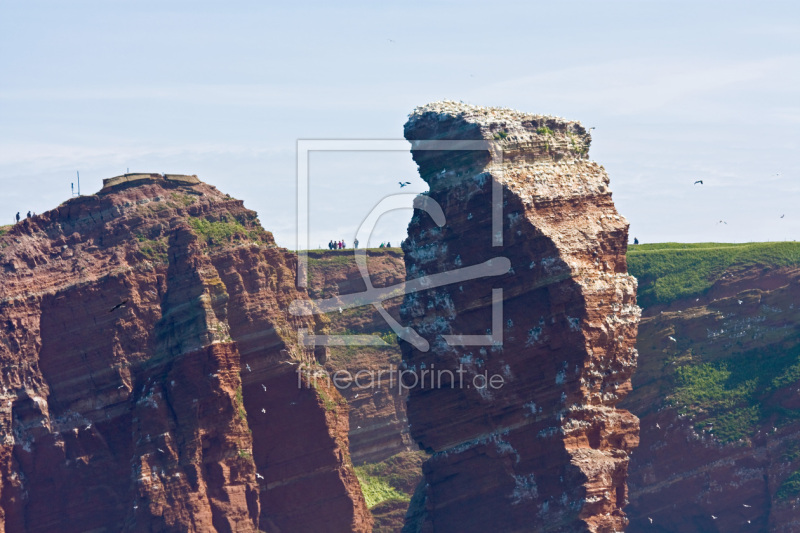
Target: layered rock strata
<point x="378" y="424"/>
<point x="718" y="394"/>
<point x="148" y="378"/>
<point x="548" y="449"/>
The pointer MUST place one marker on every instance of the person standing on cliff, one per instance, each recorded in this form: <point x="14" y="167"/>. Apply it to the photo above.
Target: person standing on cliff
<point x="355" y="244"/>
<point x="635" y="240"/>
<point x="17" y="216"/>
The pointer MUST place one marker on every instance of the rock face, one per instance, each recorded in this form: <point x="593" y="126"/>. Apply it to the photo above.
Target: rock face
<point x="548" y="449"/>
<point x="378" y="423"/>
<point x="717" y="395"/>
<point x="148" y="378"/>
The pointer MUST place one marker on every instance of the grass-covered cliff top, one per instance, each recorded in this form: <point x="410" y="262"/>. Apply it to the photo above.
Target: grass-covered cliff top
<point x="671" y="271"/>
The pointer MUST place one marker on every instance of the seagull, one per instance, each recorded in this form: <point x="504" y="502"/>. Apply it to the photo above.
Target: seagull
<point x="722" y="222"/>
<point x="356" y="396"/>
<point x="659" y="427"/>
<point x="391" y="40"/>
<point x="740" y="302"/>
<point x="592" y="128"/>
<point x="745" y="505"/>
<point x="259" y="476"/>
<point x="247" y="367"/>
<point x="160" y="450"/>
<point x="698" y="181"/>
<point x="714" y="517"/>
<point x="358" y="427"/>
<point x="404" y="183"/>
<point x="265" y="387"/>
<point x="783" y="216"/>
<point x="651" y="520"/>
<point x="119" y="305"/>
<point x="340" y="310"/>
<point x="263" y="410"/>
<point x="672" y="338"/>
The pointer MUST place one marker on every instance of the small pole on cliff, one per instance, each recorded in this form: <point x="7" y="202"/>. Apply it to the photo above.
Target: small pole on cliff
<point x="79" y="182"/>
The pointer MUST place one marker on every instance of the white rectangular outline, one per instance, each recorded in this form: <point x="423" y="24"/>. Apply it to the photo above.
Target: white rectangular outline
<point x="304" y="149"/>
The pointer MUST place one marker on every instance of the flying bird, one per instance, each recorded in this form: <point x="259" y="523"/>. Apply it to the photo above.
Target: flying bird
<point x="123" y="303"/>
<point x="722" y="222"/>
<point x="404" y="183"/>
<point x="259" y="476"/>
<point x="745" y="505"/>
<point x="592" y="128"/>
<point x="160" y="450"/>
<point x="247" y="367"/>
<point x="698" y="181"/>
<point x="651" y="520"/>
<point x="783" y="216"/>
<point x="265" y="387"/>
<point x="263" y="410"/>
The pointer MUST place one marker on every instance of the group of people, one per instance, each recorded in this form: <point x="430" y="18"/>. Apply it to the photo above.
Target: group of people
<point x="29" y="215"/>
<point x="339" y="245"/>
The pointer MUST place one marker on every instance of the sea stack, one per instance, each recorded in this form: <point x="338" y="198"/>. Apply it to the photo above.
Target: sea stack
<point x="542" y="447"/>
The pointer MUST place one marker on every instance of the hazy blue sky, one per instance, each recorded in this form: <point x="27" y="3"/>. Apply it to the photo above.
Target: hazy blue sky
<point x="678" y="91"/>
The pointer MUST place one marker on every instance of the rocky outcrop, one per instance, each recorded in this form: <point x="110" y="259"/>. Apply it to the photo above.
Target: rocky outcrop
<point x="148" y="373"/>
<point x="717" y="395"/>
<point x="547" y="449"/>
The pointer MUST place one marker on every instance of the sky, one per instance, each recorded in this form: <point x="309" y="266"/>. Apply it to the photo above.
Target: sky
<point x="677" y="92"/>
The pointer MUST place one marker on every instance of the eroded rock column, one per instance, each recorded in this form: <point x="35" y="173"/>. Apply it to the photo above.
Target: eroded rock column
<point x="546" y="450"/>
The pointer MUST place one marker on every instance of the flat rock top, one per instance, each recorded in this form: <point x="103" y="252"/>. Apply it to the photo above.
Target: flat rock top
<point x="490" y="120"/>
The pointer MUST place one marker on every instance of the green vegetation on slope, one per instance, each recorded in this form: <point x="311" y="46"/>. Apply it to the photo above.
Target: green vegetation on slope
<point x="376" y="490"/>
<point x="790" y="487"/>
<point x="392" y="479"/>
<point x="670" y="271"/>
<point x="732" y="397"/>
<point x="4" y="229"/>
<point x="222" y="231"/>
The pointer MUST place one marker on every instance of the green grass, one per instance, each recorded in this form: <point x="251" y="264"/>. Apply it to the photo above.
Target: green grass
<point x="244" y="454"/>
<point x="377" y="490"/>
<point x="671" y="271"/>
<point x="239" y="402"/>
<point x="4" y="229"/>
<point x="544" y="130"/>
<point x="790" y="487"/>
<point x="500" y="135"/>
<point x="153" y="249"/>
<point x="220" y="232"/>
<point x="732" y="397"/>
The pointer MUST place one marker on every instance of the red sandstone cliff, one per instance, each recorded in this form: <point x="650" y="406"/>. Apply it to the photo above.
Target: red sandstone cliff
<point x="148" y="373"/>
<point x="717" y="392"/>
<point x="547" y="451"/>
